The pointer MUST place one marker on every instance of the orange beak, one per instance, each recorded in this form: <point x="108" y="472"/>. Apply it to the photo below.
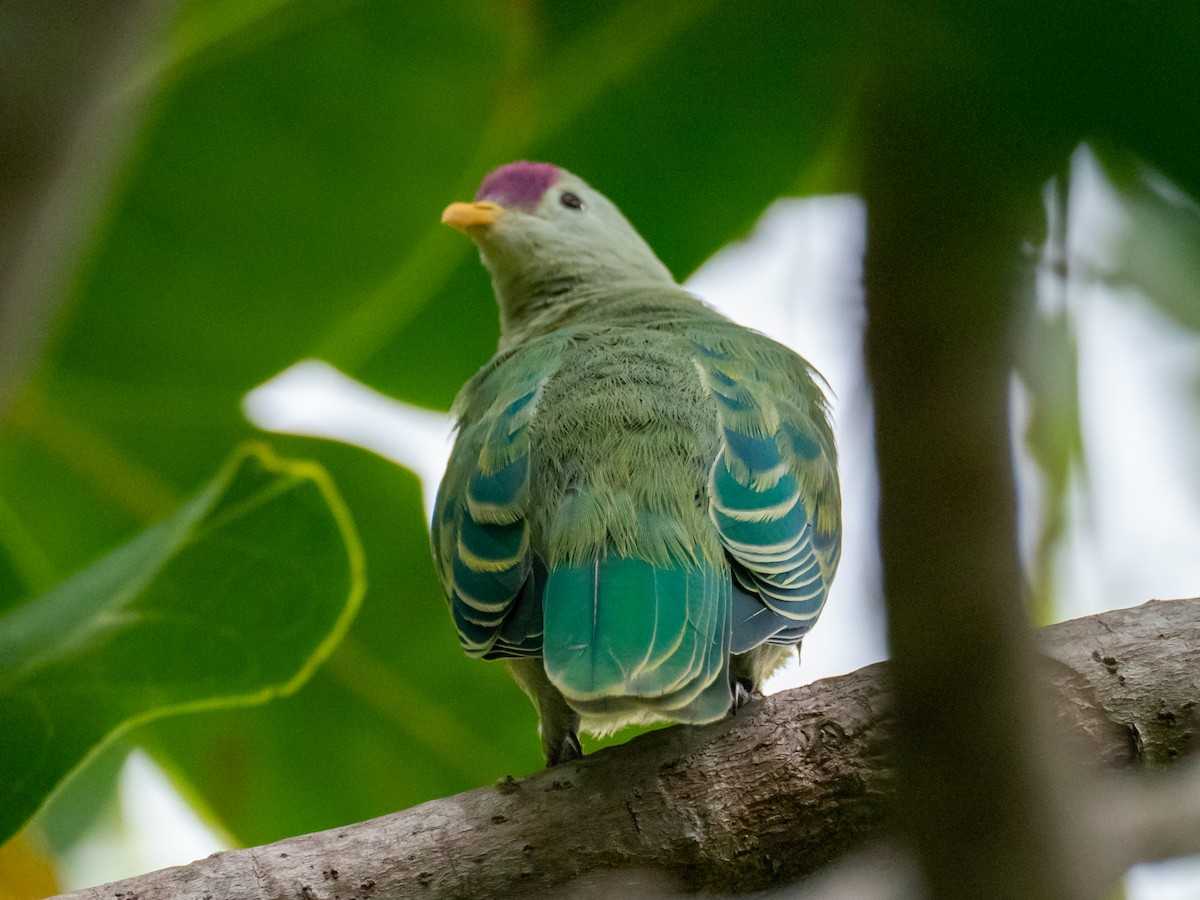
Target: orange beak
<point x="465" y="216"/>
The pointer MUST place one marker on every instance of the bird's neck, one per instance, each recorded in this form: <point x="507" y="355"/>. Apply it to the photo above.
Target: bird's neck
<point x="536" y="302"/>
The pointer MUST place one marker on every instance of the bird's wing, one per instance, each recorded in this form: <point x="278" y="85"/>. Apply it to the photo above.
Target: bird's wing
<point x="773" y="489"/>
<point x="622" y="627"/>
<point x="480" y="528"/>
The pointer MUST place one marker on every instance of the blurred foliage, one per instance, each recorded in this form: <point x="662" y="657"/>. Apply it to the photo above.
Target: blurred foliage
<point x="281" y="201"/>
<point x="1158" y="251"/>
<point x="1047" y="364"/>
<point x="163" y="625"/>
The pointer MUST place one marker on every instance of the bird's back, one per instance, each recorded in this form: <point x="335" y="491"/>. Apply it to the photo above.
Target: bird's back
<point x="637" y="598"/>
<point x="600" y="440"/>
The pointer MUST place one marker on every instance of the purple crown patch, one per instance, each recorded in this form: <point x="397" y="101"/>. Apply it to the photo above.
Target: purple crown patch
<point x="519" y="184"/>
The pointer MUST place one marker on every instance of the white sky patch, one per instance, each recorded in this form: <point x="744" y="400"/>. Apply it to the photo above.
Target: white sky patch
<point x="1140" y="427"/>
<point x="1175" y="879"/>
<point x="158" y="829"/>
<point x="1135" y="510"/>
<point x="148" y="798"/>
<point x="313" y="398"/>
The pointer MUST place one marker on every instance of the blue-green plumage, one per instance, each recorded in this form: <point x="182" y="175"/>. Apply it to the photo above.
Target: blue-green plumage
<point x="623" y="627"/>
<point x="641" y="511"/>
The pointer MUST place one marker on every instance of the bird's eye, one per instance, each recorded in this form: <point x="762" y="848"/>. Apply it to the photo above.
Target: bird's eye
<point x="570" y="201"/>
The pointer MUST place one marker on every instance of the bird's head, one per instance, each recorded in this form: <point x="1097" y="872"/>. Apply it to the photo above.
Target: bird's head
<point x="547" y="238"/>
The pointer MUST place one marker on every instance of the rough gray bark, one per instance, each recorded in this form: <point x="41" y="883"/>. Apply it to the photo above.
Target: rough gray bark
<point x="789" y="784"/>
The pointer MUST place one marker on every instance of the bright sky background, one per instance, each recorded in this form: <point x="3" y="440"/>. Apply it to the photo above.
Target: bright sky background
<point x="1135" y="533"/>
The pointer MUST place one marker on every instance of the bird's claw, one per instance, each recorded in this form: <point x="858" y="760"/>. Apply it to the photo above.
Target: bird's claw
<point x="743" y="693"/>
<point x="565" y="752"/>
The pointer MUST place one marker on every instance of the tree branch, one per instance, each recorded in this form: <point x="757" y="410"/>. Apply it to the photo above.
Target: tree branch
<point x="774" y="793"/>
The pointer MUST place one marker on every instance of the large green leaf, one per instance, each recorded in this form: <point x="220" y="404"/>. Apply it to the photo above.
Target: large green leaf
<point x="233" y="600"/>
<point x="398" y="714"/>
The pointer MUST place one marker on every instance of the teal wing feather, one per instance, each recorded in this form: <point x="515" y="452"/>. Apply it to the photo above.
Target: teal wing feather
<point x="624" y="627"/>
<point x="481" y="533"/>
<point x="773" y="489"/>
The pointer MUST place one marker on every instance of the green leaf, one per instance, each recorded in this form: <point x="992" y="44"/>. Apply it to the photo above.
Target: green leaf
<point x="397" y="716"/>
<point x="1048" y="363"/>
<point x="233" y="600"/>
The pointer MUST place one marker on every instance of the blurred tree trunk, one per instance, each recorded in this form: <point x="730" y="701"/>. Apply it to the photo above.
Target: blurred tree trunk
<point x="952" y="192"/>
<point x="69" y="111"/>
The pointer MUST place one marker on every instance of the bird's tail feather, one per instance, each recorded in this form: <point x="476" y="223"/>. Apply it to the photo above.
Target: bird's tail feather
<point x="621" y="630"/>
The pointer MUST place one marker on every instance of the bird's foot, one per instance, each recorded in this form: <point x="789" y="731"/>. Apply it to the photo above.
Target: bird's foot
<point x="743" y="693"/>
<point x="567" y="751"/>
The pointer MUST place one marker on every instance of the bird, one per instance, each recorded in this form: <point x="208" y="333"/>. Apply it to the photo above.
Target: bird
<point x="641" y="513"/>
